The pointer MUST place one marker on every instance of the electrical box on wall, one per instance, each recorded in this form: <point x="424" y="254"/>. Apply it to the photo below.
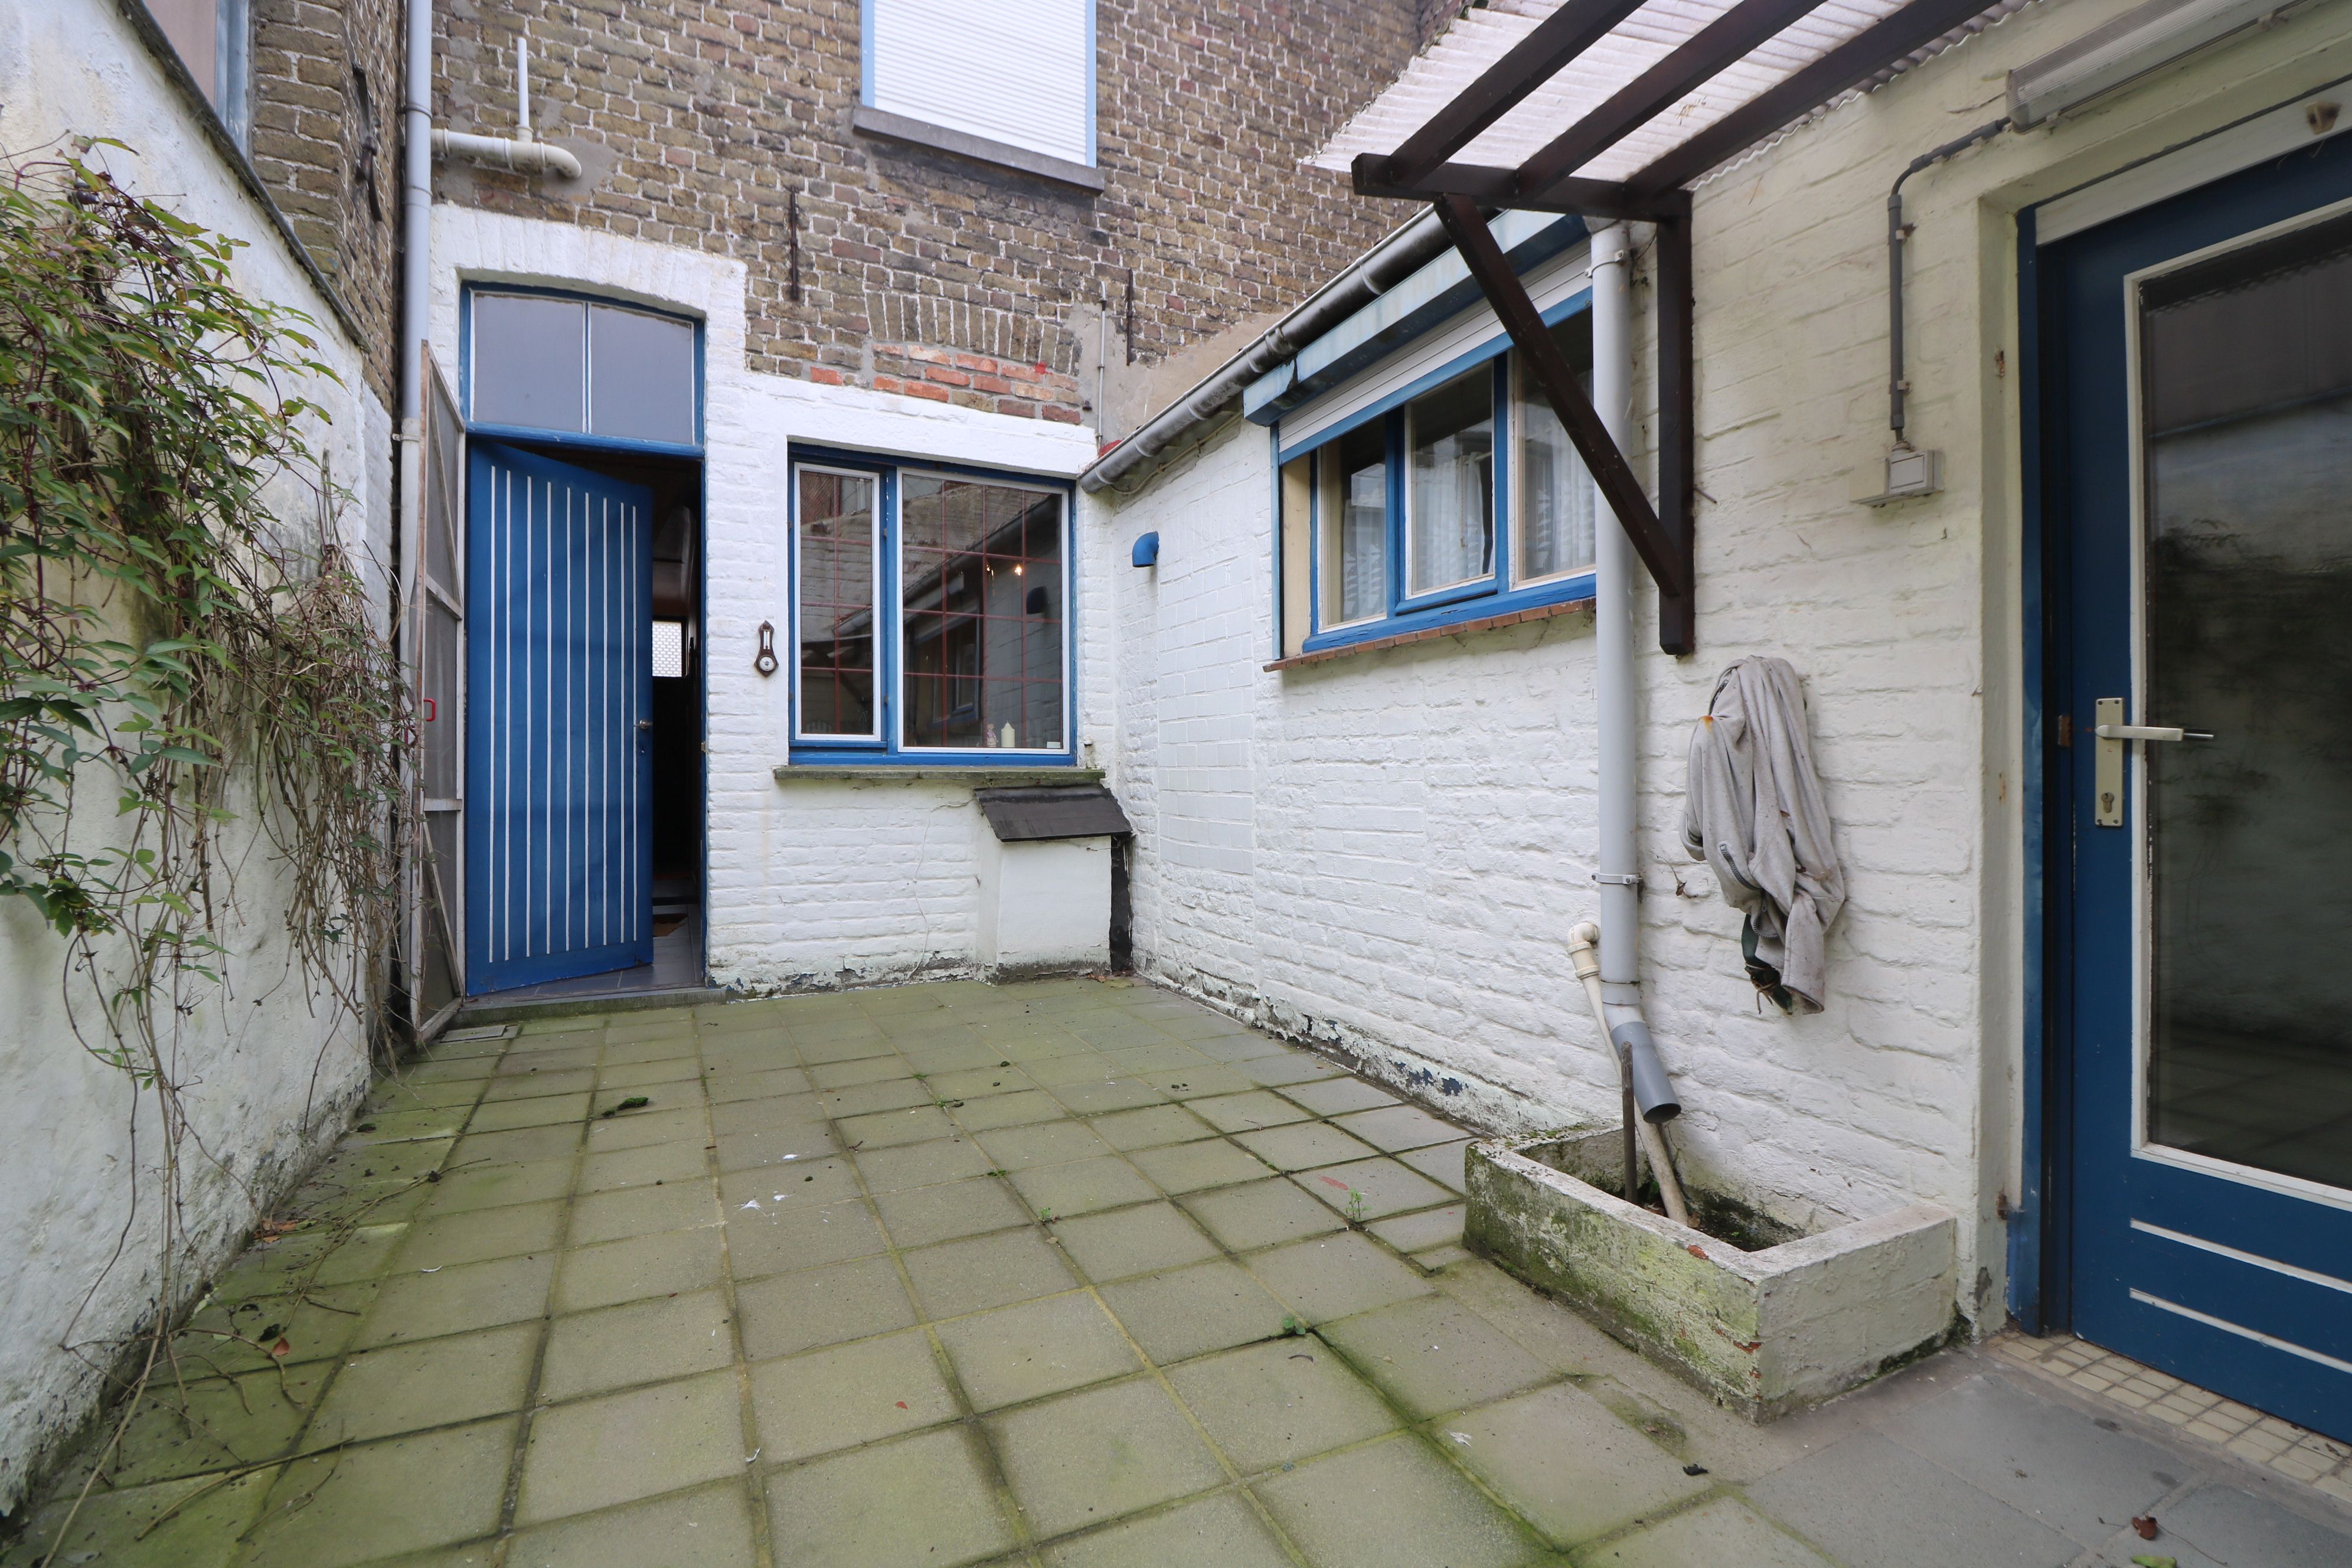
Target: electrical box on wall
<point x="1910" y="472"/>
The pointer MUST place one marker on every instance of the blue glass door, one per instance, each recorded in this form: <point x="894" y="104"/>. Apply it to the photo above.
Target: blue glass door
<point x="2199" y="451"/>
<point x="559" y="674"/>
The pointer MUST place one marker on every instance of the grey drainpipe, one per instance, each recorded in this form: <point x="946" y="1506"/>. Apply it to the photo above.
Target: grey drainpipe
<point x="1404" y="252"/>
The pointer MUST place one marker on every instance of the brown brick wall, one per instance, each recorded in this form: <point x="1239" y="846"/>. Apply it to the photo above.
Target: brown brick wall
<point x="694" y="119"/>
<point x="325" y="82"/>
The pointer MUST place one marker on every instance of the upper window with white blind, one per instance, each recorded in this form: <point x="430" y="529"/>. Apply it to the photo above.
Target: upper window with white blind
<point x="1016" y="73"/>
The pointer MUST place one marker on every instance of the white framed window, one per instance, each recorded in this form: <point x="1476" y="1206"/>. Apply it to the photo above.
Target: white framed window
<point x="1554" y="505"/>
<point x="932" y="613"/>
<point x="1016" y="74"/>
<point x="214" y="38"/>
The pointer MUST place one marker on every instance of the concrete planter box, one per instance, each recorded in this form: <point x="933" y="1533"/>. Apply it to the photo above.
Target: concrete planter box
<point x="1764" y="1332"/>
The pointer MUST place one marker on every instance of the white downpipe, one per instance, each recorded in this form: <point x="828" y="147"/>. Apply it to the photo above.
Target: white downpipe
<point x="523" y="154"/>
<point x="416" y="211"/>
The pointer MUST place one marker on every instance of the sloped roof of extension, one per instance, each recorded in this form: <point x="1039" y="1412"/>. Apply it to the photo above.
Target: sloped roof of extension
<point x="1481" y="37"/>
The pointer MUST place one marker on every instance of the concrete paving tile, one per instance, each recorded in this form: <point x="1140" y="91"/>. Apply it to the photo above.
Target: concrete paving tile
<point x="2047" y="1460"/>
<point x="376" y="1168"/>
<point x="594" y="1453"/>
<point x="641" y="1211"/>
<point x="990" y="1081"/>
<point x="1543" y="1328"/>
<point x="480" y="1235"/>
<point x="191" y="1523"/>
<point x="767" y="1113"/>
<point x="1334" y="1277"/>
<point x="1201" y="1081"/>
<point x="1279" y="1402"/>
<point x="795" y="1312"/>
<point x="1220" y="1531"/>
<point x="888" y="1128"/>
<point x="1422" y="1231"/>
<point x="1161" y="1054"/>
<point x="640" y="1167"/>
<point x="1043" y="1144"/>
<point x="1724" y="1531"/>
<point x="1440" y="1257"/>
<point x="922" y="1216"/>
<point x="1091" y="1456"/>
<point x="1398" y="1128"/>
<point x="1083" y="1186"/>
<point x="1248" y="1111"/>
<point x="635" y="1077"/>
<point x="1132" y="1241"/>
<point x="541" y="1111"/>
<point x="457" y="1298"/>
<point x="1096" y="1098"/>
<point x="433" y="1383"/>
<point x="406" y="1093"/>
<point x="765" y="1083"/>
<point x="1441" y="1162"/>
<point x="613" y="1102"/>
<point x="1150" y="1127"/>
<point x="1070" y="1062"/>
<point x="1260" y="1213"/>
<point x="780" y="1239"/>
<point x="1370" y="1189"/>
<point x="866" y="1069"/>
<point x="837" y="1399"/>
<point x="1293" y="1067"/>
<point x="1183" y="1313"/>
<point x="547" y="1053"/>
<point x="983" y="1271"/>
<point x="846" y="1043"/>
<point x="793" y="1181"/>
<point x="1567" y="1464"/>
<point x="519" y="1147"/>
<point x="1018" y="1353"/>
<point x="537" y="1083"/>
<point x="1433" y="1355"/>
<point x="996" y="1110"/>
<point x="196" y="1425"/>
<point x="1392" y="1505"/>
<point x="380" y="1499"/>
<point x="959" y="1057"/>
<point x="771" y="1147"/>
<point x="498" y="1186"/>
<point x="1180" y="1168"/>
<point x="942" y="1508"/>
<point x="657" y="1123"/>
<point x="1837" y="1497"/>
<point x="1303" y="1146"/>
<point x="368" y="1252"/>
<point x="923" y="1164"/>
<point x="644" y="1342"/>
<point x="643" y="1266"/>
<point x="224" y="1338"/>
<point x="866" y="1098"/>
<point x="1238" y="1044"/>
<point x="1337" y="1096"/>
<point x="630" y="1043"/>
<point x="709" y="1527"/>
<point x="2228" y="1526"/>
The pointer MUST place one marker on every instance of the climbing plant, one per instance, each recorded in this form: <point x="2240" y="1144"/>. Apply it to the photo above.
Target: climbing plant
<point x="197" y="685"/>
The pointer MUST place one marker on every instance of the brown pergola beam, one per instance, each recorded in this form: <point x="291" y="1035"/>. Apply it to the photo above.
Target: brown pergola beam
<point x="1492" y="187"/>
<point x="1678" y="425"/>
<point x="1619" y="486"/>
<point x="1502" y="86"/>
<point x="1857" y="59"/>
<point x="1724" y="42"/>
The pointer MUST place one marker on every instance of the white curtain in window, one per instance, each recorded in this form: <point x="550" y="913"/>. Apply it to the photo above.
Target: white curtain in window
<point x="1015" y="72"/>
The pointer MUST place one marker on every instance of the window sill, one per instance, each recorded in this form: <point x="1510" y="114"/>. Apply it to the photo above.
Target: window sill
<point x="1424" y="634"/>
<point x="977" y="776"/>
<point x="869" y="122"/>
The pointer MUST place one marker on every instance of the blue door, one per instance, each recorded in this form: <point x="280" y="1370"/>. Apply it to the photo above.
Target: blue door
<point x="558" y="673"/>
<point x="2197" y="461"/>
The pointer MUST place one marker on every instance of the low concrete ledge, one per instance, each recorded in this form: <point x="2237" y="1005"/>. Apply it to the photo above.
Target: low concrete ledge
<point x="1764" y="1332"/>
<point x="978" y="778"/>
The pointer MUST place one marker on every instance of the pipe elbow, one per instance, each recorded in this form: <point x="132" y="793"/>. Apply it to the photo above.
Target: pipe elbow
<point x="501" y="152"/>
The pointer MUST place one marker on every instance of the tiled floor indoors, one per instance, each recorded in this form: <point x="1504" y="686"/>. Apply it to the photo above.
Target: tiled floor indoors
<point x="1070" y="1274"/>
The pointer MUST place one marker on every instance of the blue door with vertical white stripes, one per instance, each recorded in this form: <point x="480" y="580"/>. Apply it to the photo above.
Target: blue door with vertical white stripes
<point x="559" y="675"/>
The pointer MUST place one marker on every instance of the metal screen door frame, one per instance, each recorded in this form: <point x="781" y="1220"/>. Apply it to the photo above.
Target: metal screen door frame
<point x="2221" y="1274"/>
<point x="434" y="603"/>
<point x="559" y="857"/>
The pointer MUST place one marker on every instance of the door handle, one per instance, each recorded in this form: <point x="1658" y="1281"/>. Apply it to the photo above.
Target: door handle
<point x="2107" y="766"/>
<point x="645" y="723"/>
<point x="2148" y="732"/>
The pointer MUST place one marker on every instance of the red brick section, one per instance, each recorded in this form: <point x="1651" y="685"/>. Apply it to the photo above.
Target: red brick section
<point x="1460" y="628"/>
<point x="695" y="120"/>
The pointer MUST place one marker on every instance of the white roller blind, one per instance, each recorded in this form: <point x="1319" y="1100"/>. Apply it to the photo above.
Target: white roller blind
<point x="1016" y="71"/>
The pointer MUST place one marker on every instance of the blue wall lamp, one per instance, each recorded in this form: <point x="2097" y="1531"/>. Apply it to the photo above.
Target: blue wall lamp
<point x="1146" y="550"/>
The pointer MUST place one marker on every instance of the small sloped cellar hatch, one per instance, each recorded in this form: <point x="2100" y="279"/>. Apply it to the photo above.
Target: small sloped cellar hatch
<point x="1795" y="1320"/>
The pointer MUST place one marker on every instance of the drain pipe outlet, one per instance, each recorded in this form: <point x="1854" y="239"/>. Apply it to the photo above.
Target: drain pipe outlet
<point x="1650" y="1097"/>
<point x="519" y="155"/>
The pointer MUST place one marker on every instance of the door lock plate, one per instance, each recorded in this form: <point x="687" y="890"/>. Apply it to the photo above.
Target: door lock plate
<point x="2107" y="766"/>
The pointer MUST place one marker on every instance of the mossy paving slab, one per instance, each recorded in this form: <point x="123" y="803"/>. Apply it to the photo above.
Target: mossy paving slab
<point x="380" y="1499"/>
<point x="1220" y="1531"/>
<point x="1393" y="1504"/>
<point x="844" y="1396"/>
<point x="1090" y="1456"/>
<point x="923" y="1499"/>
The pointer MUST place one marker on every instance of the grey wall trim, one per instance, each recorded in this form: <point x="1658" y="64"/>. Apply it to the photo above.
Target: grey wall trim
<point x="980" y="149"/>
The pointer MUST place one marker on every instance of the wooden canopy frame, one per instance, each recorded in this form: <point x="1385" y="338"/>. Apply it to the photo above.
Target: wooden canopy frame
<point x="1422" y="169"/>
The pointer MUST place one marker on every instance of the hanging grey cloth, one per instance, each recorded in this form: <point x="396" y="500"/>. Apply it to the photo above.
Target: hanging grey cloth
<point x="1754" y="813"/>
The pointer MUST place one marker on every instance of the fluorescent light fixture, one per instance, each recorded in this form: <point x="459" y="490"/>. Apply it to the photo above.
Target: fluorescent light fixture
<point x="2123" y="50"/>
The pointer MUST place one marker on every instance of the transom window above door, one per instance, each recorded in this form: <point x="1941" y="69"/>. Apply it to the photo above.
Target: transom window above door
<point x="930" y="614"/>
<point x="561" y="365"/>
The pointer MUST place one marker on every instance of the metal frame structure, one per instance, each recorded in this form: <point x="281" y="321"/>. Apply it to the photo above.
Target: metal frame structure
<point x="1422" y="169"/>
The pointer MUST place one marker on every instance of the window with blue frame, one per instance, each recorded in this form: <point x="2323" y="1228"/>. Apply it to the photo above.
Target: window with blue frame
<point x="931" y="612"/>
<point x="547" y="364"/>
<point x="1457" y="498"/>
